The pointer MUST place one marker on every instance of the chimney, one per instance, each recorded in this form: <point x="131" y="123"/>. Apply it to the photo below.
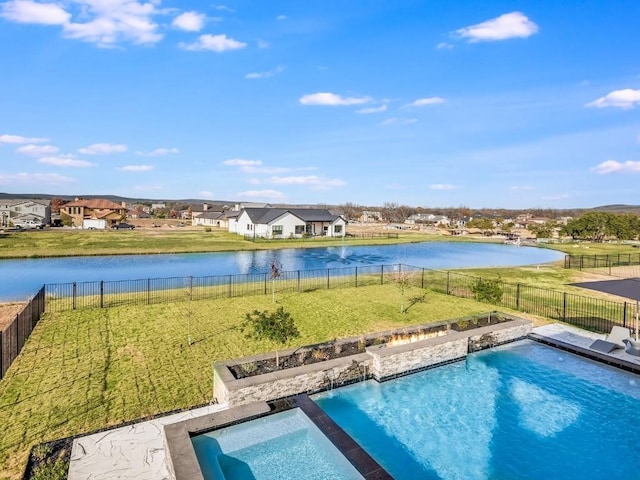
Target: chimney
<point x="205" y="207"/>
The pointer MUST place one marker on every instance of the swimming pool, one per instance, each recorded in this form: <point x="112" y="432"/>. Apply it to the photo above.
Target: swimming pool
<point x="284" y="445"/>
<point x="521" y="411"/>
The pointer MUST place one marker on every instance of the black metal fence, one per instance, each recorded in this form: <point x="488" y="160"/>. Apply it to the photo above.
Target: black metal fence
<point x="105" y="294"/>
<point x="583" y="311"/>
<point x="311" y="238"/>
<point x="601" y="261"/>
<point x="14" y="336"/>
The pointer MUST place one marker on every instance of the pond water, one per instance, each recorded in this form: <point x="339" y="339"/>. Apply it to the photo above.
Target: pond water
<point x="19" y="279"/>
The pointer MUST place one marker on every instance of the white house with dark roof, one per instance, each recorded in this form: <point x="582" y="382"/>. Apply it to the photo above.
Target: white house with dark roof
<point x="287" y="223"/>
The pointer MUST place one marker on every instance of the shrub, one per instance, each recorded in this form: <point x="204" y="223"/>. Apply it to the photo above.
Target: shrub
<point x="489" y="291"/>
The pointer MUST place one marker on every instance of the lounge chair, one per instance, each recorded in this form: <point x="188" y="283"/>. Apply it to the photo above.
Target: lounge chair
<point x="613" y="341"/>
<point x="632" y="347"/>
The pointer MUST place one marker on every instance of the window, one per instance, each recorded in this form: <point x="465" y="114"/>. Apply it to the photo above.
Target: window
<point x="299" y="229"/>
<point x="276" y="230"/>
<point x="249" y="226"/>
<point x="337" y="229"/>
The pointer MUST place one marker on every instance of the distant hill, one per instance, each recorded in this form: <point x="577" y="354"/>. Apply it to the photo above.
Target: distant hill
<point x="618" y="209"/>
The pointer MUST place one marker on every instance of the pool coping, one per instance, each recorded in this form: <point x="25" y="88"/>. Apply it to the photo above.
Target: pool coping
<point x="183" y="464"/>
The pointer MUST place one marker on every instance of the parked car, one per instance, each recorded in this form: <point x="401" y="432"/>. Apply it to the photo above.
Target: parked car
<point x="123" y="226"/>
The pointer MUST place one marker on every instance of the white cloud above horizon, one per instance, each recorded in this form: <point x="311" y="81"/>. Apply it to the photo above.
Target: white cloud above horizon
<point x="267" y="74"/>
<point x="136" y="168"/>
<point x="35" y="179"/>
<point x="65" y="161"/>
<point x="332" y="99"/>
<point x="509" y="25"/>
<point x="442" y="186"/>
<point x="311" y="180"/>
<point x="398" y="121"/>
<point x="369" y="110"/>
<point x="612" y="166"/>
<point x="103" y="149"/>
<point x="189" y="21"/>
<point x="206" y="194"/>
<point x="423" y="102"/>
<point x="262" y="194"/>
<point x="625" y="99"/>
<point x="213" y="43"/>
<point x="27" y="11"/>
<point x="158" y="152"/>
<point x="37" y="150"/>
<point x="18" y="139"/>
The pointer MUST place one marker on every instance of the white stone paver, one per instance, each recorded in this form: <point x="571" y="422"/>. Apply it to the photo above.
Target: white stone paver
<point x="580" y="338"/>
<point x="132" y="452"/>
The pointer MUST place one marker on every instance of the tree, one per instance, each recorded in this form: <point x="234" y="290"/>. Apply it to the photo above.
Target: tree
<point x="403" y="280"/>
<point x="487" y="290"/>
<point x="485" y="224"/>
<point x="278" y="326"/>
<point x="56" y="203"/>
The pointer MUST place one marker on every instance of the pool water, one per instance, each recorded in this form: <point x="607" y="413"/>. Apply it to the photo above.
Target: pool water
<point x="522" y="411"/>
<point x="284" y="445"/>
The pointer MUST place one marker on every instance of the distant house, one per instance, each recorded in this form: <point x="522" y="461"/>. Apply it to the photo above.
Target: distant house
<point x="370" y="216"/>
<point x="211" y="218"/>
<point x="286" y="223"/>
<point x="25" y="213"/>
<point x="96" y="208"/>
<point x="428" y="219"/>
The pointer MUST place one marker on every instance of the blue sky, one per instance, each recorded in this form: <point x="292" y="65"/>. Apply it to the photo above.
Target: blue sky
<point x="506" y="104"/>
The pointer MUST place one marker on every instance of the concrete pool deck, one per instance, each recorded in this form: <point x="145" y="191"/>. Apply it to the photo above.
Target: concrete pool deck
<point x="138" y="452"/>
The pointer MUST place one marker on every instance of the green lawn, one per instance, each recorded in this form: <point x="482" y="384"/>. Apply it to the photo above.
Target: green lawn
<point x="85" y="370"/>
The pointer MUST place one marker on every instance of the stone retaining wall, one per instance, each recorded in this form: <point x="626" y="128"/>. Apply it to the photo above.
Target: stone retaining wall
<point x="380" y="362"/>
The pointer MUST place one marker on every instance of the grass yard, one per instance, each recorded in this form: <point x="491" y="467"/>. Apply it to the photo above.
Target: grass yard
<point x="85" y="370"/>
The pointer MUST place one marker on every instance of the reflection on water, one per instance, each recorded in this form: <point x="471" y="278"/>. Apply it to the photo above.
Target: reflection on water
<point x="21" y="278"/>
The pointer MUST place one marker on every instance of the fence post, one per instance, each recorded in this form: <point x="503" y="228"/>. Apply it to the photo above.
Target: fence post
<point x="265" y="283"/>
<point x="422" y="282"/>
<point x="74" y="295"/>
<point x="609" y="262"/>
<point x="564" y="306"/>
<point x="356" y="276"/>
<point x="101" y="293"/>
<point x="230" y="286"/>
<point x="327" y="279"/>
<point x="624" y="315"/>
<point x="448" y="282"/>
<point x="298" y="281"/>
<point x="518" y="296"/>
<point x="1" y="357"/>
<point x="381" y="274"/>
<point x="148" y="291"/>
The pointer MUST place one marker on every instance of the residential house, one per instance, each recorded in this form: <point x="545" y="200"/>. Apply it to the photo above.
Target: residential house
<point x="96" y="208"/>
<point x="211" y="218"/>
<point x="428" y="219"/>
<point x="370" y="216"/>
<point x="25" y="213"/>
<point x="286" y="223"/>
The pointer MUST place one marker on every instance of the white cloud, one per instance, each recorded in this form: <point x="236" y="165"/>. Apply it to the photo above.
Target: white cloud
<point x="224" y="8"/>
<point x="158" y="152"/>
<point x="311" y="180"/>
<point x="281" y="17"/>
<point x="442" y="186"/>
<point x="381" y="108"/>
<point x="612" y="166"/>
<point x="625" y="99"/>
<point x="444" y="46"/>
<point x="37" y="150"/>
<point x="26" y="11"/>
<point x="35" y="179"/>
<point x="240" y="162"/>
<point x="136" y="168"/>
<point x="110" y="22"/>
<point x="509" y="25"/>
<point x="270" y="73"/>
<point x="65" y="161"/>
<point x="17" y="139"/>
<point x="262" y="194"/>
<point x="558" y="196"/>
<point x="189" y="21"/>
<point x="103" y="149"/>
<point x="399" y="121"/>
<point x="215" y="43"/>
<point x="423" y="102"/>
<point x="331" y="99"/>
<point x="206" y="194"/>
